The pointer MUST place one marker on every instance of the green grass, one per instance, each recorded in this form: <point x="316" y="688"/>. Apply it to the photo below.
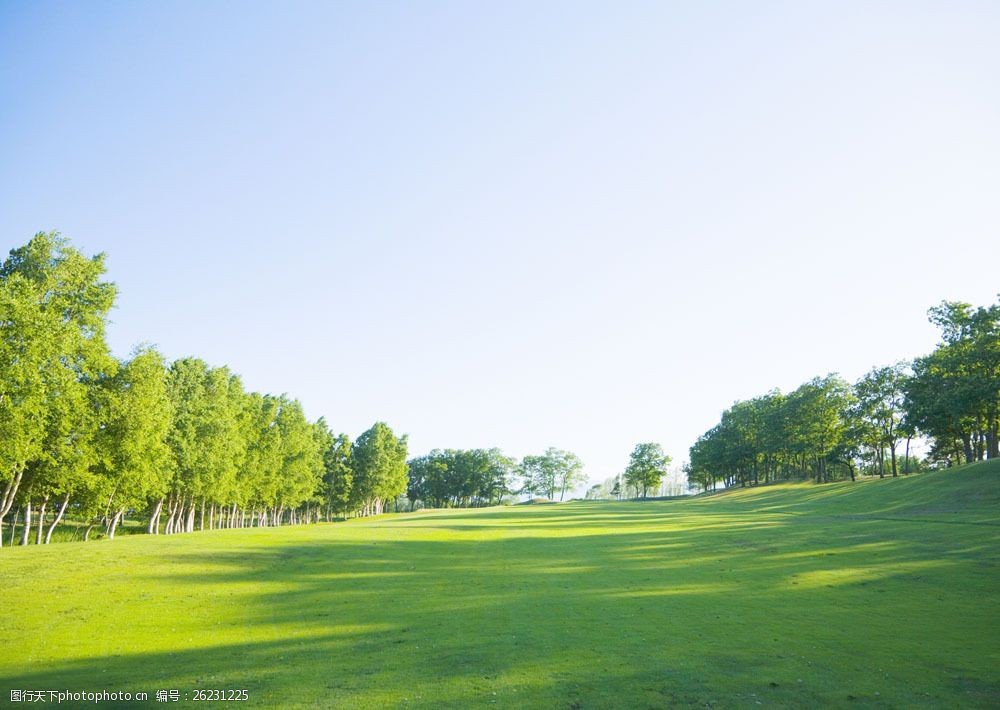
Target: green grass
<point x="877" y="594"/>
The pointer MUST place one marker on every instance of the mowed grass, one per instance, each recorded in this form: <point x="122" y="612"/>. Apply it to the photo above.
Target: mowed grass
<point x="878" y="594"/>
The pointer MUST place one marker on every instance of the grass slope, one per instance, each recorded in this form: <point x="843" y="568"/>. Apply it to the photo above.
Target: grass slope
<point x="879" y="593"/>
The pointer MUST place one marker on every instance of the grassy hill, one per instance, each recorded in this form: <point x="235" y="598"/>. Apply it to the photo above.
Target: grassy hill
<point x="877" y="593"/>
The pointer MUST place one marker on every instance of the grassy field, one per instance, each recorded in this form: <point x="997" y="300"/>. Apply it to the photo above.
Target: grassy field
<point x="878" y="594"/>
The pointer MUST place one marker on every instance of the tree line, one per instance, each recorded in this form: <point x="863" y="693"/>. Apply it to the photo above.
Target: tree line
<point x="181" y="444"/>
<point x="828" y="429"/>
<point x="478" y="477"/>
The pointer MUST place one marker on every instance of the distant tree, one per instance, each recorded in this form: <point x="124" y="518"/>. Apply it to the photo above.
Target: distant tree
<point x="554" y="470"/>
<point x="647" y="467"/>
<point x="208" y="439"/>
<point x="568" y="470"/>
<point x="880" y="402"/>
<point x="259" y="475"/>
<point x="818" y="412"/>
<point x="537" y="477"/>
<point x="954" y="393"/>
<point x="339" y="475"/>
<point x="496" y="481"/>
<point x="379" y="465"/>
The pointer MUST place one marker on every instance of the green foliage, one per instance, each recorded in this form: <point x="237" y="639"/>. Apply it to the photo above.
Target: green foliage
<point x="338" y="477"/>
<point x="954" y="394"/>
<point x="301" y="469"/>
<point x="379" y="467"/>
<point x="138" y="461"/>
<point x="452" y="477"/>
<point x="52" y="354"/>
<point x="260" y="475"/>
<point x="110" y="439"/>
<point x="647" y="466"/>
<point x="777" y="436"/>
<point x="555" y="470"/>
<point x="879" y="412"/>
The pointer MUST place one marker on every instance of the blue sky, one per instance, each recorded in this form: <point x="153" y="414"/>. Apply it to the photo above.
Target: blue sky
<point x="514" y="224"/>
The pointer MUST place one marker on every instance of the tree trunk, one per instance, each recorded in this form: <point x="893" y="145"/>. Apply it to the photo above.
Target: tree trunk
<point x="201" y="521"/>
<point x="13" y="527"/>
<point x="59" y="515"/>
<point x="7" y="502"/>
<point x="41" y="520"/>
<point x="86" y="534"/>
<point x="967" y="447"/>
<point x="892" y="450"/>
<point x="115" y="519"/>
<point x="992" y="443"/>
<point x="154" y="519"/>
<point x="906" y="457"/>
<point x="176" y="515"/>
<point x="168" y="529"/>
<point x="26" y="533"/>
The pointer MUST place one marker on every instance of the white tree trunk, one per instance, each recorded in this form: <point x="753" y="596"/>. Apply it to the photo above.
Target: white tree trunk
<point x="26" y="533"/>
<point x="115" y="519"/>
<point x="7" y="502"/>
<point x="59" y="515"/>
<point x="41" y="520"/>
<point x="154" y="519"/>
<point x="168" y="529"/>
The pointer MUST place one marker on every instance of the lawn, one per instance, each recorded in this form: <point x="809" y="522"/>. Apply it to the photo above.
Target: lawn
<point x="877" y="594"/>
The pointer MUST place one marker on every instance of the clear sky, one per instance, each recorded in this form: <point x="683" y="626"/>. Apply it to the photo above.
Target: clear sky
<point x="514" y="224"/>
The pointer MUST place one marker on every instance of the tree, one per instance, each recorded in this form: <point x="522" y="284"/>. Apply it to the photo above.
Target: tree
<point x="818" y="414"/>
<point x="338" y="474"/>
<point x="496" y="481"/>
<point x="259" y="475"/>
<point x="52" y="350"/>
<point x="554" y="470"/>
<point x="954" y="394"/>
<point x="379" y="463"/>
<point x="138" y="461"/>
<point x="568" y="470"/>
<point x="880" y="402"/>
<point x="537" y="477"/>
<point x="647" y="466"/>
<point x="208" y="439"/>
<point x="301" y="459"/>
